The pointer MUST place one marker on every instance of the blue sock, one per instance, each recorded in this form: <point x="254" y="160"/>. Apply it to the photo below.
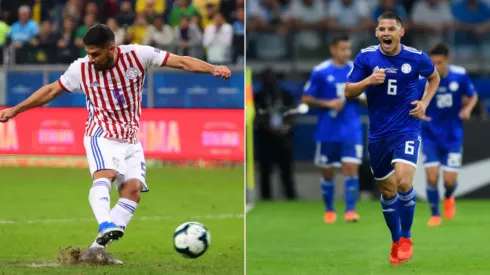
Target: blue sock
<point x="450" y="190"/>
<point x="407" y="210"/>
<point x="328" y="192"/>
<point x="433" y="198"/>
<point x="351" y="192"/>
<point x="392" y="217"/>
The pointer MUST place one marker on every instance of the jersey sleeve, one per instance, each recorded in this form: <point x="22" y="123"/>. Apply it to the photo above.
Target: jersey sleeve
<point x="312" y="86"/>
<point x="358" y="71"/>
<point x="426" y="67"/>
<point x="467" y="85"/>
<point x="71" y="79"/>
<point x="152" y="57"/>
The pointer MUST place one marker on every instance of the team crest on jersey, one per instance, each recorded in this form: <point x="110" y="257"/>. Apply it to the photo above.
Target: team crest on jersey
<point x="406" y="68"/>
<point x="453" y="86"/>
<point x="131" y="73"/>
<point x="95" y="84"/>
<point x="330" y="78"/>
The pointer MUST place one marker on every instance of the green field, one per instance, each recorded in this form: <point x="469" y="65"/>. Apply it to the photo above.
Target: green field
<point x="291" y="238"/>
<point x="43" y="210"/>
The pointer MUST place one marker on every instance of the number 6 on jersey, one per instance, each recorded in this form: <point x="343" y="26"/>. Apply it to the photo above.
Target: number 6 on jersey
<point x="392" y="86"/>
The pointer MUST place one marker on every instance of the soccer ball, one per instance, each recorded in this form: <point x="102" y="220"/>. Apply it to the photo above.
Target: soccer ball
<point x="191" y="239"/>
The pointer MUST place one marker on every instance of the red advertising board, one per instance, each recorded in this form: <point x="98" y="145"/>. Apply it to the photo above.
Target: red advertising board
<point x="168" y="134"/>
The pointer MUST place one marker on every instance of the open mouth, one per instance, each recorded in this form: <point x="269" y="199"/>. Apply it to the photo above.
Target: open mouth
<point x="387" y="41"/>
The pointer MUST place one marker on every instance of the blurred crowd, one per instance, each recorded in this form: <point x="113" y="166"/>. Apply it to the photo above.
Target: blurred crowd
<point x="281" y="28"/>
<point x="51" y="31"/>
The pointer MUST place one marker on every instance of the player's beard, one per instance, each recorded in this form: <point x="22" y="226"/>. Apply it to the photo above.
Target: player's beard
<point x="109" y="63"/>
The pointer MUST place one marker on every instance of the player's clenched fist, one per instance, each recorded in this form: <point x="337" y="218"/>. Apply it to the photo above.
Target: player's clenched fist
<point x="222" y="71"/>
<point x="7" y="114"/>
<point x="378" y="77"/>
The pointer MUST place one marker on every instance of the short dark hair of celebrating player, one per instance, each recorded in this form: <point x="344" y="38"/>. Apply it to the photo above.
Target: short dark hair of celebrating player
<point x="391" y="16"/>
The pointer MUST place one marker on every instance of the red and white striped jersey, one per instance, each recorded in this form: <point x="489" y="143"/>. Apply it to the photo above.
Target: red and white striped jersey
<point x="114" y="95"/>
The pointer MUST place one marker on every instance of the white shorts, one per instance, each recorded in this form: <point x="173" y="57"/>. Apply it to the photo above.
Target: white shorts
<point x="125" y="158"/>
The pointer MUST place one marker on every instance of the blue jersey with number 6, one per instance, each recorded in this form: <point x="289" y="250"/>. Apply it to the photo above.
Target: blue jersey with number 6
<point x="389" y="103"/>
<point x="446" y="127"/>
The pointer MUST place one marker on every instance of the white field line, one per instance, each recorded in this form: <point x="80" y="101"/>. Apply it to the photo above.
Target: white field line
<point x="142" y="218"/>
<point x="44" y="265"/>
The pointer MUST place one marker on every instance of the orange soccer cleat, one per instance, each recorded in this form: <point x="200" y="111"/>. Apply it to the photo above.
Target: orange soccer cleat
<point x="330" y="217"/>
<point x="434" y="221"/>
<point x="405" y="251"/>
<point x="449" y="208"/>
<point x="351" y="216"/>
<point x="394" y="254"/>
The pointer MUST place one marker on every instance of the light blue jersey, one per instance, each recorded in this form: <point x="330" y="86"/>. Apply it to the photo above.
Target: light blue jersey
<point x="446" y="127"/>
<point x="327" y="82"/>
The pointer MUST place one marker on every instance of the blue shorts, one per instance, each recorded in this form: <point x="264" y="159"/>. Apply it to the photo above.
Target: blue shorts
<point x="449" y="157"/>
<point x="333" y="154"/>
<point x="403" y="148"/>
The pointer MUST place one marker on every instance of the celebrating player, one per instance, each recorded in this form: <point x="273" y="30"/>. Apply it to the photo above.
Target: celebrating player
<point x="389" y="73"/>
<point x="338" y="132"/>
<point x="443" y="134"/>
<point x="112" y="79"/>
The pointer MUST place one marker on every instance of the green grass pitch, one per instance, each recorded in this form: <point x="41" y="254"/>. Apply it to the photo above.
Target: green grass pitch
<point x="290" y="238"/>
<point x="44" y="209"/>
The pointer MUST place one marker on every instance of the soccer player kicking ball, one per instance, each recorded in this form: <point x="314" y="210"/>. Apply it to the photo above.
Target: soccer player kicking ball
<point x="389" y="74"/>
<point x="338" y="133"/>
<point x="112" y="79"/>
<point x="443" y="133"/>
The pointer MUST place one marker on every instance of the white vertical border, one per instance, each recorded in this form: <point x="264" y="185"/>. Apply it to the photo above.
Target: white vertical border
<point x="245" y="140"/>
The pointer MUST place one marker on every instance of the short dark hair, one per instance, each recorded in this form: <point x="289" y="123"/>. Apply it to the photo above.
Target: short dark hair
<point x="440" y="49"/>
<point x="391" y="16"/>
<point x="338" y="38"/>
<point x="99" y="35"/>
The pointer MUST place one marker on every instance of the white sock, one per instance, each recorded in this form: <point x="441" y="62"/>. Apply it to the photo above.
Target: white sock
<point x="100" y="200"/>
<point x="123" y="211"/>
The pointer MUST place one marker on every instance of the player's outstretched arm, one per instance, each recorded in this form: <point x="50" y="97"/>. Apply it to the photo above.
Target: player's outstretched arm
<point x="42" y="96"/>
<point x="194" y="65"/>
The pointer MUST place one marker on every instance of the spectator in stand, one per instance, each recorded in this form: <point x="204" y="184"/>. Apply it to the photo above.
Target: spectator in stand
<point x="188" y="38"/>
<point x="43" y="45"/>
<point x="72" y="9"/>
<point x="160" y="35"/>
<point x="67" y="51"/>
<point x="137" y="31"/>
<point x="473" y="22"/>
<point x="92" y="8"/>
<point x="239" y="36"/>
<point x="4" y="32"/>
<point x="217" y="40"/>
<point x="126" y="15"/>
<point x="119" y="33"/>
<point x="390" y="5"/>
<point x="23" y="30"/>
<point x="307" y="17"/>
<point x="229" y="8"/>
<point x="183" y="9"/>
<point x="265" y="17"/>
<point x="207" y="17"/>
<point x="350" y="16"/>
<point x="150" y="8"/>
<point x="88" y="22"/>
<point x="431" y="22"/>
